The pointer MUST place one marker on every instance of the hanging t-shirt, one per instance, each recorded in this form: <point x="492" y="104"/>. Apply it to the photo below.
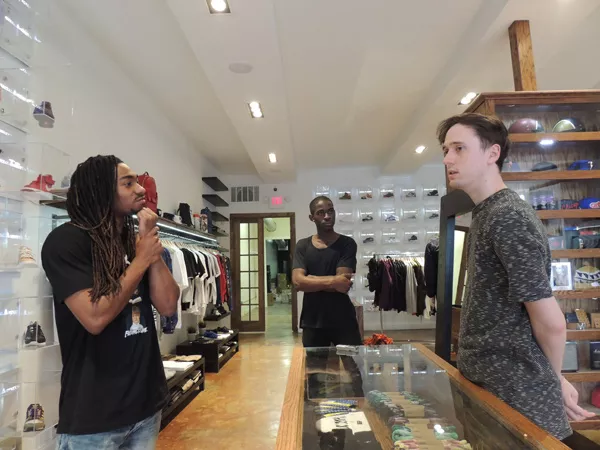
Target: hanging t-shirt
<point x="113" y="379"/>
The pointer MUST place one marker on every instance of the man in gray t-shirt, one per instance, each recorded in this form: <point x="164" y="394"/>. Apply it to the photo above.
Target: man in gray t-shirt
<point x="512" y="331"/>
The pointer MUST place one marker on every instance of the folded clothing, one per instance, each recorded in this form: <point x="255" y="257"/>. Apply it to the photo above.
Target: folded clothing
<point x="188" y="358"/>
<point x="169" y="374"/>
<point x="179" y="366"/>
<point x="188" y="384"/>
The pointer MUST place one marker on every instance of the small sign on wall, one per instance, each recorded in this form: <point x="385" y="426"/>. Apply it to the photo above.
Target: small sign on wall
<point x="276" y="202"/>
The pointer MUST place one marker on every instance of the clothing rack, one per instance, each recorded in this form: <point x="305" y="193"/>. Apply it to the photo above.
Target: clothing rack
<point x="394" y="255"/>
<point x="168" y="229"/>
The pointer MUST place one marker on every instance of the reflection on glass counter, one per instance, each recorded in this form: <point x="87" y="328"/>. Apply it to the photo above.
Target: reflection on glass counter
<point x="395" y="396"/>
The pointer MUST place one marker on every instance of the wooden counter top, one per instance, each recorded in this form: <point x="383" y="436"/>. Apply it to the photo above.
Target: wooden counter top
<point x="291" y="423"/>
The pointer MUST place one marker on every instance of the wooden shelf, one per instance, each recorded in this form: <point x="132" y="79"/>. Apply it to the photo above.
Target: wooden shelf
<point x="569" y="214"/>
<point x="577" y="253"/>
<point x="583" y="376"/>
<point x="215" y="184"/>
<point x="559" y="137"/>
<point x="215" y="200"/>
<point x="577" y="294"/>
<point x="218" y="217"/>
<point x="592" y="334"/>
<point x="560" y="175"/>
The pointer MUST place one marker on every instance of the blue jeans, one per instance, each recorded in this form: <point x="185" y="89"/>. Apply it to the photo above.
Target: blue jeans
<point x="139" y="436"/>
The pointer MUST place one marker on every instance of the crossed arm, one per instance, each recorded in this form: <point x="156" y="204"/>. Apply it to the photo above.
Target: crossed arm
<point x="340" y="282"/>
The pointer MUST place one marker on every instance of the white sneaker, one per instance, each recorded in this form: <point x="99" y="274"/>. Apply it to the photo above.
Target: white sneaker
<point x="26" y="258"/>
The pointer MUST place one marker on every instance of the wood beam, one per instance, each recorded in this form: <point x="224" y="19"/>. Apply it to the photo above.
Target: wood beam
<point x="521" y="53"/>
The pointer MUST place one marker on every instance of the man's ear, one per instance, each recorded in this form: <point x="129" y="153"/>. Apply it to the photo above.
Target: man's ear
<point x="494" y="153"/>
<point x="311" y="218"/>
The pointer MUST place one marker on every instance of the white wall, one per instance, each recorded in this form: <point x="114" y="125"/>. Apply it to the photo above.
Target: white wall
<point x="299" y="194"/>
<point x="100" y="110"/>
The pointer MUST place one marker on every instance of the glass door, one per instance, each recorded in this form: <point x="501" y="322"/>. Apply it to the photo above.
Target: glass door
<point x="248" y="253"/>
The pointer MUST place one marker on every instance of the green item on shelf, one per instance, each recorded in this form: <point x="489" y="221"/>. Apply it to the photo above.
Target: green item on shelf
<point x="401" y="435"/>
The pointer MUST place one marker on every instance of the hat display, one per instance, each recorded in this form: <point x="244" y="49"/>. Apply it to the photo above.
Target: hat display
<point x="587" y="275"/>
<point x="544" y="165"/>
<point x="590" y="203"/>
<point x="526" y="126"/>
<point x="582" y="164"/>
<point x="568" y="125"/>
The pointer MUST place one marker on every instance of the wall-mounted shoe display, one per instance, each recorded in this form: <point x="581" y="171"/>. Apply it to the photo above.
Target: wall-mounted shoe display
<point x="34" y="420"/>
<point x="44" y="115"/>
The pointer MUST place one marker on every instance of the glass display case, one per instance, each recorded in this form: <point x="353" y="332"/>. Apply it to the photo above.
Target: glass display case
<point x="395" y="397"/>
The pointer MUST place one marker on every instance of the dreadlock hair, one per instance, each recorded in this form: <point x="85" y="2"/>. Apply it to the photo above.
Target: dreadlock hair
<point x="90" y="204"/>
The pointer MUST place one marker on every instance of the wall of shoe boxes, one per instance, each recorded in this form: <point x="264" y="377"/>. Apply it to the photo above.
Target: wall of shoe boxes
<point x="32" y="73"/>
<point x="385" y="220"/>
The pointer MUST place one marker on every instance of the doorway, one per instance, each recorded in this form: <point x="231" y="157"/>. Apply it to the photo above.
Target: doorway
<point x="262" y="250"/>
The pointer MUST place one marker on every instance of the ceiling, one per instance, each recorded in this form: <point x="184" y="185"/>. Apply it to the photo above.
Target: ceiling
<point x="341" y="82"/>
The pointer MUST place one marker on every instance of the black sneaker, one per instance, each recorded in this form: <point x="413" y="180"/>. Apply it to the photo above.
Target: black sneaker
<point x="413" y="238"/>
<point x="368" y="240"/>
<point x="41" y="339"/>
<point x="34" y="335"/>
<point x="367" y="218"/>
<point x="433" y="193"/>
<point x="434" y="216"/>
<point x="411" y="194"/>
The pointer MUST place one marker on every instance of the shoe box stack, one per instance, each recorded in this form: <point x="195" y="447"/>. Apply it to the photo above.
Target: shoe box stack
<point x="32" y="172"/>
<point x="388" y="219"/>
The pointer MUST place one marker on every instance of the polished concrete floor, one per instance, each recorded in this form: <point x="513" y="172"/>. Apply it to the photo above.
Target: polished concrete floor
<point x="241" y="405"/>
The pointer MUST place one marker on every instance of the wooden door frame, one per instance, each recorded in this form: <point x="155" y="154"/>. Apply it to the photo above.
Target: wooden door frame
<point x="234" y="249"/>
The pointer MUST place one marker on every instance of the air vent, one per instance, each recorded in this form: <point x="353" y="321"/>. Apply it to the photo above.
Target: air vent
<point x="244" y="194"/>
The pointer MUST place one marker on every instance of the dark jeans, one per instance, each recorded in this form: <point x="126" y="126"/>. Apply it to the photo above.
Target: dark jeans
<point x="319" y="360"/>
<point x="325" y="337"/>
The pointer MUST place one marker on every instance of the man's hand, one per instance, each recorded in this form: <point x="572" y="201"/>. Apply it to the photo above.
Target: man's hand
<point x="148" y="247"/>
<point x="570" y="398"/>
<point x="147" y="220"/>
<point x="342" y="283"/>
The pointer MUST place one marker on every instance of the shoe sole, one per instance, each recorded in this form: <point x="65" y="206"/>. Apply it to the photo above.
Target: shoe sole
<point x="34" y="426"/>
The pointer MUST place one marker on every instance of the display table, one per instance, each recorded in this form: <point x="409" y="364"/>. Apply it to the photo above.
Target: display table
<point x="395" y="395"/>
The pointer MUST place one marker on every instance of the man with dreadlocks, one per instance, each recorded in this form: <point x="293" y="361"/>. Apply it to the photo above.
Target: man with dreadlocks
<point x="105" y="280"/>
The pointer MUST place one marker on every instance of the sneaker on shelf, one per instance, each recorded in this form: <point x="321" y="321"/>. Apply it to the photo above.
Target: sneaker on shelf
<point x="369" y="240"/>
<point x="34" y="336"/>
<point x="413" y="238"/>
<point x="41" y="338"/>
<point x="434" y="215"/>
<point x="346" y="196"/>
<point x="388" y="195"/>
<point x="44" y="115"/>
<point x="41" y="183"/>
<point x="367" y="218"/>
<point x="433" y="193"/>
<point x="34" y="420"/>
<point x="26" y="258"/>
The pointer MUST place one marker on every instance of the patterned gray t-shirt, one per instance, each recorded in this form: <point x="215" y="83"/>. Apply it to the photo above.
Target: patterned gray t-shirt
<point x="509" y="263"/>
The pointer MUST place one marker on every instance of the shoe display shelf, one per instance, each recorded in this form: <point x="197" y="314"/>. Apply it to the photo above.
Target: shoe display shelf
<point x="210" y="350"/>
<point x="216" y="200"/>
<point x="171" y="411"/>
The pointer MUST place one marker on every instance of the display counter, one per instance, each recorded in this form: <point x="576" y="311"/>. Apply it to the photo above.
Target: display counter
<point x="397" y="396"/>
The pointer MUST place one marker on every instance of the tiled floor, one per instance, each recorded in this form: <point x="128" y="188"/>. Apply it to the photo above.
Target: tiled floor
<point x="241" y="405"/>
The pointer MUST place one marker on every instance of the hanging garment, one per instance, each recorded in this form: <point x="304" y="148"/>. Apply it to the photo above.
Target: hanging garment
<point x="431" y="268"/>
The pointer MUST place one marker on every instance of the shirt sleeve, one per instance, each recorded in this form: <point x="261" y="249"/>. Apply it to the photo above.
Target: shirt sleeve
<point x="299" y="256"/>
<point x="524" y="252"/>
<point x="68" y="264"/>
<point x="348" y="255"/>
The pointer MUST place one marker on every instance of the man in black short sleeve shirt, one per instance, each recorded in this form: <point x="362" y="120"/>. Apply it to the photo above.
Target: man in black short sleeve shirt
<point x="105" y="280"/>
<point x="323" y="268"/>
<point x="512" y="331"/>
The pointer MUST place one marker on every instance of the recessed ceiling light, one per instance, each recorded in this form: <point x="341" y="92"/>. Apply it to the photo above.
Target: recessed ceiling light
<point x="547" y="142"/>
<point x="420" y="149"/>
<point x="218" y="6"/>
<point x="468" y="98"/>
<point x="255" y="110"/>
<point x="272" y="158"/>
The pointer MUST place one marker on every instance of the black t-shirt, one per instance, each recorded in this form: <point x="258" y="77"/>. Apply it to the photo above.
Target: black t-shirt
<point x="326" y="309"/>
<point x="113" y="379"/>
